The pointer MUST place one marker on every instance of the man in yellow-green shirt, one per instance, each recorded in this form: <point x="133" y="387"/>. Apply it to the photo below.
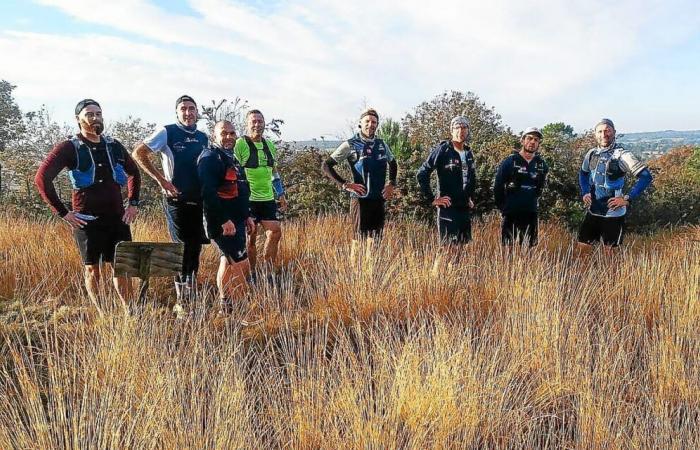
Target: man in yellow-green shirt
<point x="258" y="157"/>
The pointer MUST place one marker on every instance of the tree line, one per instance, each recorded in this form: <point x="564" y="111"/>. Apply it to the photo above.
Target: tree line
<point x="674" y="199"/>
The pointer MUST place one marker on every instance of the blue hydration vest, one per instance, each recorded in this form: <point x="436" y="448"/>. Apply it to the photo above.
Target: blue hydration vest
<point x="83" y="176"/>
<point x="186" y="146"/>
<point x="369" y="166"/>
<point x="607" y="180"/>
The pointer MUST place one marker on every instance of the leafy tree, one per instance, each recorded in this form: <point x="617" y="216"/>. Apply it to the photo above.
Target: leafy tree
<point x="24" y="155"/>
<point x="563" y="150"/>
<point x="11" y="125"/>
<point x="130" y="132"/>
<point x="674" y="198"/>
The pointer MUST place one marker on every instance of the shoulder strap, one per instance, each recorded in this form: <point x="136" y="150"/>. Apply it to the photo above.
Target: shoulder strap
<point x="253" y="161"/>
<point x="75" y="140"/>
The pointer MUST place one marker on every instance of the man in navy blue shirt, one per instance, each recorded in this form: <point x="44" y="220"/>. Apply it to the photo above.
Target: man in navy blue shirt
<point x="520" y="179"/>
<point x="602" y="181"/>
<point x="226" y="196"/>
<point x="179" y="145"/>
<point x="454" y="163"/>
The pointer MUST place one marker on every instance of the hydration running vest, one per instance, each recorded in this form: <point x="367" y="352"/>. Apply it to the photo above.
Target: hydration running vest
<point x="83" y="176"/>
<point x="369" y="166"/>
<point x="614" y="175"/>
<point x="253" y="160"/>
<point x="228" y="189"/>
<point x="520" y="175"/>
<point x="186" y="146"/>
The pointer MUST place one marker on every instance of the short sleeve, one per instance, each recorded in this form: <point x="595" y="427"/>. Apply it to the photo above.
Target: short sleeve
<point x="158" y="141"/>
<point x="630" y="163"/>
<point x="389" y="154"/>
<point x="585" y="165"/>
<point x="341" y="153"/>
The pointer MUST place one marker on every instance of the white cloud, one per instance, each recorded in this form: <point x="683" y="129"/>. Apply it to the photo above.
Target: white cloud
<point x="313" y="62"/>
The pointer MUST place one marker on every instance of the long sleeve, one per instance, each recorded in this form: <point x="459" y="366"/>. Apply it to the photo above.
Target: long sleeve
<point x="133" y="186"/>
<point x="543" y="181"/>
<point x="61" y="156"/>
<point x="644" y="179"/>
<point x="423" y="175"/>
<point x="499" y="185"/>
<point x="584" y="182"/>
<point x="208" y="170"/>
<point x="471" y="187"/>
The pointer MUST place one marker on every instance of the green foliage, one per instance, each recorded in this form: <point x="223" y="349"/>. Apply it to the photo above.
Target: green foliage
<point x="131" y="132"/>
<point x="11" y="125"/>
<point x="563" y="151"/>
<point x="308" y="190"/>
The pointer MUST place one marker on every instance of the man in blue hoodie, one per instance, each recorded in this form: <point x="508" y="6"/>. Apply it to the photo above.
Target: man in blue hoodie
<point x="226" y="197"/>
<point x="179" y="146"/>
<point x="454" y="163"/>
<point x="520" y="179"/>
<point x="602" y="182"/>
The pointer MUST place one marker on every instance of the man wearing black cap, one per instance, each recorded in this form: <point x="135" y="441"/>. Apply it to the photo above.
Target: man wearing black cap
<point x="179" y="145"/>
<point x="602" y="181"/>
<point x="520" y="179"/>
<point x="98" y="166"/>
<point x="369" y="157"/>
<point x="454" y="163"/>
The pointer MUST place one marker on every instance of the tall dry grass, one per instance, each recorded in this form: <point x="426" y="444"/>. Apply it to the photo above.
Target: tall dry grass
<point x="403" y="346"/>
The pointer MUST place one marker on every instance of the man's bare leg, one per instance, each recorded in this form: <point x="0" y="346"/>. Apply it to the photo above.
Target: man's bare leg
<point x="92" y="281"/>
<point x="231" y="278"/>
<point x="273" y="234"/>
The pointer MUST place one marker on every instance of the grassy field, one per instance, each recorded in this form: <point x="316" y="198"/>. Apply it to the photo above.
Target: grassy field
<point x="404" y="346"/>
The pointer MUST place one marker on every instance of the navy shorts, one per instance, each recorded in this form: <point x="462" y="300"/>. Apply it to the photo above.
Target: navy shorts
<point x="233" y="247"/>
<point x="454" y="225"/>
<point x="97" y="240"/>
<point x="263" y="211"/>
<point x="518" y="227"/>
<point x="594" y="228"/>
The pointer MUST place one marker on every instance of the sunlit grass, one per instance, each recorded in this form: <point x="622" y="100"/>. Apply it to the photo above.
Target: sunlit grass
<point x="401" y="345"/>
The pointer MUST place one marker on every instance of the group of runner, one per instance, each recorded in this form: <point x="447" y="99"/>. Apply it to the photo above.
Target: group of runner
<point x="228" y="190"/>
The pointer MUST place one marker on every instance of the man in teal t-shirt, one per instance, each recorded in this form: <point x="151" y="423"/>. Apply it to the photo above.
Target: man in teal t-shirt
<point x="258" y="156"/>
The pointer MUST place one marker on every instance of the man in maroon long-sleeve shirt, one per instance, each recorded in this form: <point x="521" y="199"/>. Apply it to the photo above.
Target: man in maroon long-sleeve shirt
<point x="98" y="166"/>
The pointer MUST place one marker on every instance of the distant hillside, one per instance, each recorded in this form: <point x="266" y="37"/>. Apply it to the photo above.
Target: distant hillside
<point x="648" y="144"/>
<point x="654" y="143"/>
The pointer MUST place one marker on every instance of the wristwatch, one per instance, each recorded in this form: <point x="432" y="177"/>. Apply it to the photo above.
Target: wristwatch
<point x="134" y="203"/>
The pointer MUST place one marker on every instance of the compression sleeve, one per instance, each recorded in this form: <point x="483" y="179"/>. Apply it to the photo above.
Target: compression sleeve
<point x="644" y="179"/>
<point x="393" y="171"/>
<point x="277" y="185"/>
<point x="330" y="172"/>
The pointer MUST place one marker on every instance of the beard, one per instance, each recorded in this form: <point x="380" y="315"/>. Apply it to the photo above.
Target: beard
<point x="98" y="128"/>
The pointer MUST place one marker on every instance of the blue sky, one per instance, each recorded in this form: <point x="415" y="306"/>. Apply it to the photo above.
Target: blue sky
<point x="317" y="63"/>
